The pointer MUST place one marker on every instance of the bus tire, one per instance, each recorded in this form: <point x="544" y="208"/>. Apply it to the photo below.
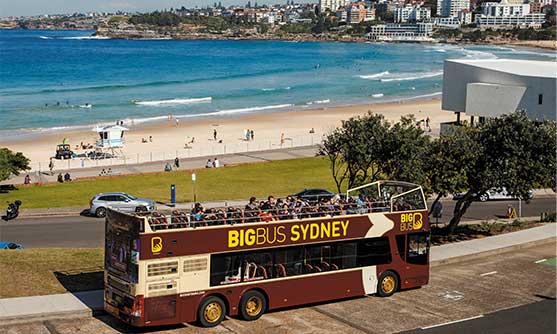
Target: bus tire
<point x="211" y="312"/>
<point x="252" y="305"/>
<point x="387" y="284"/>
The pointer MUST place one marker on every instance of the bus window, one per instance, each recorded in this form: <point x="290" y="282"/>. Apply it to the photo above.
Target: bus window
<point x="401" y="246"/>
<point x="258" y="265"/>
<point x="343" y="255"/>
<point x="418" y="248"/>
<point x="295" y="261"/>
<point x="225" y="269"/>
<point x="318" y="258"/>
<point x="409" y="201"/>
<point x="374" y="251"/>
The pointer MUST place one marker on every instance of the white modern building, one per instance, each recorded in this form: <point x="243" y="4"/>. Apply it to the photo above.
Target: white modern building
<point x="532" y="20"/>
<point x="493" y="87"/>
<point x="504" y="8"/>
<point x="332" y="5"/>
<point x="411" y="13"/>
<point x="401" y="32"/>
<point x="448" y="8"/>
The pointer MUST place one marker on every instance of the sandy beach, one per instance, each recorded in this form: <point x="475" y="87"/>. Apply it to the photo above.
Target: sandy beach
<point x="169" y="140"/>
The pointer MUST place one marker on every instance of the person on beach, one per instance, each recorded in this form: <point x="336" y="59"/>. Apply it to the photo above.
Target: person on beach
<point x="428" y="128"/>
<point x="281" y="139"/>
<point x="251" y="134"/>
<point x="177" y="122"/>
<point x="312" y="131"/>
<point x="176" y="162"/>
<point x="150" y="139"/>
<point x="215" y="134"/>
<point x="51" y="166"/>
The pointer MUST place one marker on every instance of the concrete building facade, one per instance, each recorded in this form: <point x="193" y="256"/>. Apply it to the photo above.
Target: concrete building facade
<point x="450" y="8"/>
<point x="493" y="87"/>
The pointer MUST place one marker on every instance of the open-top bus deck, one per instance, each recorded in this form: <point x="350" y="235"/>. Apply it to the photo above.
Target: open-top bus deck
<point x="174" y="272"/>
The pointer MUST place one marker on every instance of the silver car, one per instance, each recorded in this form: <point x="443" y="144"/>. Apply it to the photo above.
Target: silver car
<point x="121" y="202"/>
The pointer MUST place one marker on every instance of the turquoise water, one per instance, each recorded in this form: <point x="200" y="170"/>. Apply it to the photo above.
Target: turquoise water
<point x="53" y="80"/>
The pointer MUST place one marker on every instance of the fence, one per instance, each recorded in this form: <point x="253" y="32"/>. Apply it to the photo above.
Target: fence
<point x="196" y="151"/>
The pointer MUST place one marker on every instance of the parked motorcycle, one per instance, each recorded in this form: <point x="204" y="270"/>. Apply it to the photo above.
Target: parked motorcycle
<point x="13" y="210"/>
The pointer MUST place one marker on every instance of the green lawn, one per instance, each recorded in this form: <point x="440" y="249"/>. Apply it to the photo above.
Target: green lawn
<point x="31" y="272"/>
<point x="276" y="178"/>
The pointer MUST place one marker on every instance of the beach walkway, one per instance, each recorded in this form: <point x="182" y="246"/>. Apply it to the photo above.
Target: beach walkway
<point x="185" y="164"/>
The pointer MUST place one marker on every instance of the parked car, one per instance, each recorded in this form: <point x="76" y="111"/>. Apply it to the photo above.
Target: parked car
<point x="63" y="151"/>
<point x="121" y="202"/>
<point x="314" y="194"/>
<point x="10" y="245"/>
<point x="493" y="194"/>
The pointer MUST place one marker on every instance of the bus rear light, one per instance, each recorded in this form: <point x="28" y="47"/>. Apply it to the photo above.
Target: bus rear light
<point x="138" y="305"/>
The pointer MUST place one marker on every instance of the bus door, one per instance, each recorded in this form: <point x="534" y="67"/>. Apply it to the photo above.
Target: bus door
<point x="413" y="249"/>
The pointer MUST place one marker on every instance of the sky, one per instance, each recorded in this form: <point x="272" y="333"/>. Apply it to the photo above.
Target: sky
<point x="38" y="7"/>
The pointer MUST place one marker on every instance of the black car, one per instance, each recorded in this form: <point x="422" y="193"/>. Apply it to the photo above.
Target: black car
<point x="314" y="195"/>
<point x="63" y="151"/>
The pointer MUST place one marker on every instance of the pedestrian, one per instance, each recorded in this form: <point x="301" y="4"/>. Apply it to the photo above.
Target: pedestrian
<point x="215" y="134"/>
<point x="60" y="178"/>
<point x="176" y="162"/>
<point x="150" y="139"/>
<point x="427" y="124"/>
<point x="177" y="121"/>
<point x="167" y="167"/>
<point x="51" y="166"/>
<point x="246" y="134"/>
<point x="209" y="164"/>
<point x="281" y="139"/>
<point x="216" y="163"/>
<point x="27" y="179"/>
<point x="251" y="134"/>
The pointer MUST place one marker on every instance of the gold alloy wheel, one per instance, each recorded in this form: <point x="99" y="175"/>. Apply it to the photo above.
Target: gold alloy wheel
<point x="254" y="306"/>
<point x="388" y="284"/>
<point x="212" y="312"/>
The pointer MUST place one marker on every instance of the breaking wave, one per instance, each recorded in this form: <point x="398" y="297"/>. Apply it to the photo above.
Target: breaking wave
<point x="173" y="101"/>
<point x="415" y="76"/>
<point x="373" y="76"/>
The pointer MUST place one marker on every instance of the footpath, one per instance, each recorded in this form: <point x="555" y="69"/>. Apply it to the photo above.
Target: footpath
<point x="185" y="164"/>
<point x="85" y="304"/>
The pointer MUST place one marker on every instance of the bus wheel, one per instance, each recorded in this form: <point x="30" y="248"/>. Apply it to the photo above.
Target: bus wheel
<point x="252" y="305"/>
<point x="211" y="312"/>
<point x="388" y="284"/>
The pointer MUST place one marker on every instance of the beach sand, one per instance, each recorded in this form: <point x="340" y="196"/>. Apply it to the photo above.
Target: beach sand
<point x="169" y="140"/>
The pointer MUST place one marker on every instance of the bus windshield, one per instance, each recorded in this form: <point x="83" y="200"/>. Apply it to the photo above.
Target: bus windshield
<point x="122" y="245"/>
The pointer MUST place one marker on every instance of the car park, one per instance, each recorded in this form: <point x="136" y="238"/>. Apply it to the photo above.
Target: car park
<point x="121" y="202"/>
<point x="10" y="245"/>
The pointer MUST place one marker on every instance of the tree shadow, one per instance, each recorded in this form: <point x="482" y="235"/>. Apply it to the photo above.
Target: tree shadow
<point x="82" y="279"/>
<point x="6" y="188"/>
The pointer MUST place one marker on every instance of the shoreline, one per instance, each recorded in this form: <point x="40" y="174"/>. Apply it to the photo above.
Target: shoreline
<point x="26" y="134"/>
<point x="272" y="130"/>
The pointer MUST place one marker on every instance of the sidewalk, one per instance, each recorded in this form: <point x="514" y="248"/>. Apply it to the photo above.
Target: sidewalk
<point x="83" y="304"/>
<point x="185" y="164"/>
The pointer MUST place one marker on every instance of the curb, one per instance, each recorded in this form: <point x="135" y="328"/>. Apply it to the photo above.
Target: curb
<point x="463" y="258"/>
<point x="25" y="319"/>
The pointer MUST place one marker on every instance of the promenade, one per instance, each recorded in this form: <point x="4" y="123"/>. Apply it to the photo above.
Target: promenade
<point x="185" y="164"/>
<point x="84" y="304"/>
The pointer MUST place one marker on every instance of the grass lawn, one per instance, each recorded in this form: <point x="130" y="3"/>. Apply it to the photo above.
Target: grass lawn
<point x="31" y="272"/>
<point x="276" y="178"/>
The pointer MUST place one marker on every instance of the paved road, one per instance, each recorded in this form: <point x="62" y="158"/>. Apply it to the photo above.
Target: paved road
<point x="79" y="231"/>
<point x="538" y="317"/>
<point x="477" y="287"/>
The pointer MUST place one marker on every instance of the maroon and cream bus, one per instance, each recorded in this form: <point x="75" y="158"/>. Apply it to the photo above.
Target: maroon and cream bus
<point x="180" y="274"/>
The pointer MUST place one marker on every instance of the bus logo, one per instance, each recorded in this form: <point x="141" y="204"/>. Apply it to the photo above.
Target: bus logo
<point x="156" y="244"/>
<point x="411" y="221"/>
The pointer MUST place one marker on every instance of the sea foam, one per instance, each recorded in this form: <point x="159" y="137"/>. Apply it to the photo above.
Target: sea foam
<point x="174" y="101"/>
<point x="373" y="76"/>
<point x="414" y="76"/>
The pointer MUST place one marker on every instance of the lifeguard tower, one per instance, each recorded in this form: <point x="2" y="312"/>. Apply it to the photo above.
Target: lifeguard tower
<point x="111" y="140"/>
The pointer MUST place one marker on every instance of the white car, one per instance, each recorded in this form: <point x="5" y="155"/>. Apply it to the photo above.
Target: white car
<point x="494" y="194"/>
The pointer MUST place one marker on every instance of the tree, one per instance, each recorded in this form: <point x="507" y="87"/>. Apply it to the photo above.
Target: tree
<point x="449" y="160"/>
<point x="11" y="163"/>
<point x="514" y="152"/>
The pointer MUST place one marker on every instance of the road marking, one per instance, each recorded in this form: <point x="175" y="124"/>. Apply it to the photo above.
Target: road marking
<point x="453" y="322"/>
<point x="540" y="261"/>
<point x="489" y="273"/>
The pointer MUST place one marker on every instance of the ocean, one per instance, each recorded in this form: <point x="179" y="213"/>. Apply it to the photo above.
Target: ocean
<point x="55" y="80"/>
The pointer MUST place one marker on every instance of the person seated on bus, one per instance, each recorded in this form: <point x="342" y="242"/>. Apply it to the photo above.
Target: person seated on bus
<point x="266" y="216"/>
<point x="221" y="217"/>
<point x="178" y="219"/>
<point x="251" y="211"/>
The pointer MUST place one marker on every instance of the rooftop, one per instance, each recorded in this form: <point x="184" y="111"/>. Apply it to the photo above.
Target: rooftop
<point x="531" y="68"/>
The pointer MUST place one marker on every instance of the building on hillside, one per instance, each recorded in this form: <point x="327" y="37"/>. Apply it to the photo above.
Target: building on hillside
<point x="532" y="20"/>
<point x="536" y="7"/>
<point x="492" y="87"/>
<point x="411" y="13"/>
<point x="449" y="8"/>
<point x="445" y="22"/>
<point x="401" y="32"/>
<point x="332" y="5"/>
<point x="357" y="12"/>
<point x="465" y="17"/>
<point x="504" y="8"/>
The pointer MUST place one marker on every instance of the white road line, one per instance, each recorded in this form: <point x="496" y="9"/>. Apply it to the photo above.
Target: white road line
<point x="489" y="273"/>
<point x="454" y="322"/>
<point x="540" y="261"/>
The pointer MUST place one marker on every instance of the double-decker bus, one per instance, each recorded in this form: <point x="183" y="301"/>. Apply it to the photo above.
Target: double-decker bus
<point x="162" y="270"/>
